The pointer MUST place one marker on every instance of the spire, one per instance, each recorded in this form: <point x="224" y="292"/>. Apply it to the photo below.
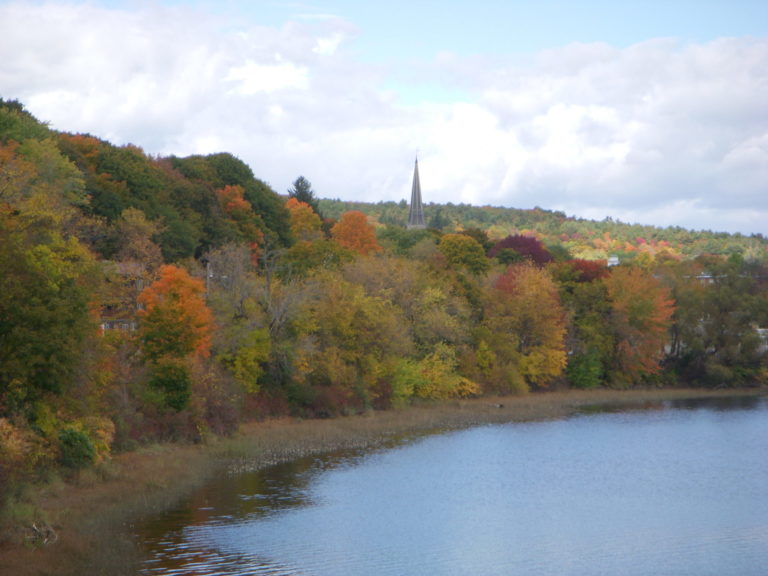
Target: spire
<point x="416" y="214"/>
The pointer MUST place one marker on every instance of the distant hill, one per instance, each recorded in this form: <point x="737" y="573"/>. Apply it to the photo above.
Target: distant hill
<point x="181" y="195"/>
<point x="583" y="238"/>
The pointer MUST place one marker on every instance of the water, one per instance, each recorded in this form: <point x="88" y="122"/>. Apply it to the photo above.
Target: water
<point x="672" y="491"/>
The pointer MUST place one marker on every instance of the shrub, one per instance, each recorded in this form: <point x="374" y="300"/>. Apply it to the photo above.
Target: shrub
<point x="585" y="370"/>
<point x="76" y="450"/>
<point x="172" y="380"/>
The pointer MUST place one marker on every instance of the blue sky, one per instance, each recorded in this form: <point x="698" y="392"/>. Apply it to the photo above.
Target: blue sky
<point x="402" y="31"/>
<point x="652" y="112"/>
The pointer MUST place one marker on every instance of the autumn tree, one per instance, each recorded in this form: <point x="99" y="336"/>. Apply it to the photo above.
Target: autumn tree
<point x="176" y="326"/>
<point x="352" y="336"/>
<point x="304" y="258"/>
<point x="16" y="174"/>
<point x="435" y="377"/>
<point x="516" y="247"/>
<point x="175" y="321"/>
<point x="641" y="313"/>
<point x="248" y="224"/>
<point x="464" y="253"/>
<point x="525" y="328"/>
<point x="353" y="232"/>
<point x="305" y="223"/>
<point x="242" y="343"/>
<point x="137" y="247"/>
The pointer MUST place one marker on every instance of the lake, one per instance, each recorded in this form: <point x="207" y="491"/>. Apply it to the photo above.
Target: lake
<point x="678" y="489"/>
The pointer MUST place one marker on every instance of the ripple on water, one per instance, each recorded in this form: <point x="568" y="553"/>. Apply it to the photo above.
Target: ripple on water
<point x="638" y="494"/>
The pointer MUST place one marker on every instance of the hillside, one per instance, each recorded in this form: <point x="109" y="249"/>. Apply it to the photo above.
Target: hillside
<point x="587" y="239"/>
<point x="163" y="299"/>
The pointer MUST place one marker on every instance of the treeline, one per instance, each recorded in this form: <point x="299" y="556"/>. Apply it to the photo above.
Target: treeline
<point x="582" y="238"/>
<point x="149" y="299"/>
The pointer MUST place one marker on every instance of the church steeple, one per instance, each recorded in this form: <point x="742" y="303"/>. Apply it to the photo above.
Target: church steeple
<point x="416" y="214"/>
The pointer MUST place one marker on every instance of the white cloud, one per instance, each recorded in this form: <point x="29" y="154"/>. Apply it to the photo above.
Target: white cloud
<point x="658" y="132"/>
<point x="252" y="78"/>
<point x="328" y="44"/>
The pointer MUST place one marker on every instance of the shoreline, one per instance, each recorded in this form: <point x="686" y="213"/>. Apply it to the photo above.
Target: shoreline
<point x="91" y="517"/>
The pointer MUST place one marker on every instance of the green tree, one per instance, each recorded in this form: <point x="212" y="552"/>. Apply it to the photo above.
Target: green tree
<point x="302" y="191"/>
<point x="590" y="342"/>
<point x="45" y="291"/>
<point x="465" y="253"/>
<point x="16" y="123"/>
<point x="720" y="305"/>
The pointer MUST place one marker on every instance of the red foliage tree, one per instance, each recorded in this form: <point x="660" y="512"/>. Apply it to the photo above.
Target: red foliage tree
<point x="589" y="270"/>
<point x="527" y="247"/>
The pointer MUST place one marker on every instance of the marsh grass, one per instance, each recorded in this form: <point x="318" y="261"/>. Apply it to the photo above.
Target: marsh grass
<point x="93" y="515"/>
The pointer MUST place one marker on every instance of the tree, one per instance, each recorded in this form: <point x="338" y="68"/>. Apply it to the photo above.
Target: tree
<point x="242" y="343"/>
<point x="517" y="247"/>
<point x="46" y="285"/>
<point x="217" y="171"/>
<point x="302" y="191"/>
<point x="18" y="124"/>
<point x="720" y="303"/>
<point x="176" y="328"/>
<point x="464" y="252"/>
<point x="641" y="314"/>
<point x="248" y="224"/>
<point x="16" y="174"/>
<point x="353" y="232"/>
<point x="590" y="342"/>
<point x="175" y="321"/>
<point x="526" y="324"/>
<point x="306" y="225"/>
<point x="136" y="244"/>
<point x="353" y="337"/>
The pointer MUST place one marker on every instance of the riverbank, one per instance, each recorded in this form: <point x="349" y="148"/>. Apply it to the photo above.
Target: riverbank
<point x="90" y="519"/>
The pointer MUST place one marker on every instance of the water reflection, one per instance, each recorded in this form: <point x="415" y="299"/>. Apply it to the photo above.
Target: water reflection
<point x="722" y="404"/>
<point x="671" y="490"/>
<point x="717" y="404"/>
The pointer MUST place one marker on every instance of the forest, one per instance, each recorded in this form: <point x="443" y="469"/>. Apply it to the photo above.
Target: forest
<point x="154" y="299"/>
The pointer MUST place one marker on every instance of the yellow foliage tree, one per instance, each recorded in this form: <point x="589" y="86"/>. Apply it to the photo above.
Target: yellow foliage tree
<point x="305" y="223"/>
<point x="527" y="323"/>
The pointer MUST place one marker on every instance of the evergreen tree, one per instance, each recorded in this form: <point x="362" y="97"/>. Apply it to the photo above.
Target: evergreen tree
<point x="302" y="191"/>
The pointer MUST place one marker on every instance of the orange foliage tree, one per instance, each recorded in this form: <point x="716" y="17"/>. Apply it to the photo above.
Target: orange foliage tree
<point x="175" y="321"/>
<point x="247" y="222"/>
<point x="352" y="231"/>
<point x="641" y="316"/>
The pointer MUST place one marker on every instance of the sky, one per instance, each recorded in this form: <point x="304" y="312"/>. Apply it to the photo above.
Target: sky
<point x="651" y="112"/>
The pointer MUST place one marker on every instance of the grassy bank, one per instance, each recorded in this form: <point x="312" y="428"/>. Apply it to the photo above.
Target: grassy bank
<point x="88" y="517"/>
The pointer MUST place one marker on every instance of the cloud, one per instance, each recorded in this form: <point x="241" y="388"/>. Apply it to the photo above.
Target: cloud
<point x="659" y="132"/>
<point x="252" y="78"/>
